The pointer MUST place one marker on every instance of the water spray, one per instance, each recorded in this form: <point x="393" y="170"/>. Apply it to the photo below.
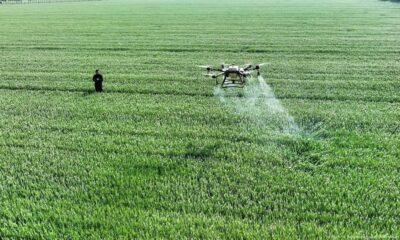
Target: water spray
<point x="258" y="103"/>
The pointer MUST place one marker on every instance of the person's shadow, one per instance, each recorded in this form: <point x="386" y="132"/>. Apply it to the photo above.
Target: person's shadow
<point x="88" y="92"/>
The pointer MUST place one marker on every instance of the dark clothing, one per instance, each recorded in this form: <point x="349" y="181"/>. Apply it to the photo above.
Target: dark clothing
<point x="98" y="82"/>
<point x="98" y="86"/>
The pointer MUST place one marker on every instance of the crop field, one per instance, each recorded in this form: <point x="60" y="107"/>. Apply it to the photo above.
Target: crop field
<point x="309" y="150"/>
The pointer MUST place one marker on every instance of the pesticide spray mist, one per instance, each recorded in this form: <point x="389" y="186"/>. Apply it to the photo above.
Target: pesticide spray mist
<point x="258" y="104"/>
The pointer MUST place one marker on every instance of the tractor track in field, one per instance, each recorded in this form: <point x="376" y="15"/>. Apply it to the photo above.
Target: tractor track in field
<point x="86" y="92"/>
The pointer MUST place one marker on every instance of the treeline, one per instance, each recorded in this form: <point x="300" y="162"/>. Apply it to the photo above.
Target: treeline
<point x="39" y="1"/>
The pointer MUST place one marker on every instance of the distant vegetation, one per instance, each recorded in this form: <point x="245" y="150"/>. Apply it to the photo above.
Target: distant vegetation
<point x="39" y="1"/>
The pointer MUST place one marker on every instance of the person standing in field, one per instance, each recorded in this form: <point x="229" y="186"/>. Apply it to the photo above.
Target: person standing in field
<point x="98" y="81"/>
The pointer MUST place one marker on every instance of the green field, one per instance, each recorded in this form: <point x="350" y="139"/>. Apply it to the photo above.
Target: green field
<point x="160" y="155"/>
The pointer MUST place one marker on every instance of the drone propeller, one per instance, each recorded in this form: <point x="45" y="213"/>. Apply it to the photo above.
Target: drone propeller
<point x="258" y="66"/>
<point x="247" y="66"/>
<point x="224" y="65"/>
<point x="209" y="75"/>
<point x="205" y="66"/>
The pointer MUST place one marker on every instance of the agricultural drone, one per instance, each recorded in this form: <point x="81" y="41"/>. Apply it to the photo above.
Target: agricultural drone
<point x="234" y="75"/>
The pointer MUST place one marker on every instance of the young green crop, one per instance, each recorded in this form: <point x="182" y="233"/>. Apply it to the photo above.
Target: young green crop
<point x="158" y="155"/>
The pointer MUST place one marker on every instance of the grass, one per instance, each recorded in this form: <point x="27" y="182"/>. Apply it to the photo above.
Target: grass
<point x="157" y="155"/>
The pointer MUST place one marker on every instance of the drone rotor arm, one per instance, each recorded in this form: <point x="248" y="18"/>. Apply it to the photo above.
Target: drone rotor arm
<point x="218" y="74"/>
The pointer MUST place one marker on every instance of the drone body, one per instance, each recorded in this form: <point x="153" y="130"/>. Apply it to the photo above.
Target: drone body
<point x="233" y="75"/>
